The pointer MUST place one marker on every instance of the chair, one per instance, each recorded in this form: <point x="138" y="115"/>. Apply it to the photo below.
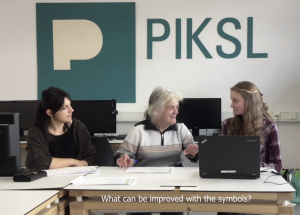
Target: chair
<point x="105" y="153"/>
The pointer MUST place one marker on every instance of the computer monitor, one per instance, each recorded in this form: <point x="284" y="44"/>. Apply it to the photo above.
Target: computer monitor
<point x="10" y="155"/>
<point x="200" y="113"/>
<point x="26" y="108"/>
<point x="99" y="116"/>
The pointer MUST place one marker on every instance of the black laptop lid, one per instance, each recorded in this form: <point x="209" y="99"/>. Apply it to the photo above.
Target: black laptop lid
<point x="229" y="156"/>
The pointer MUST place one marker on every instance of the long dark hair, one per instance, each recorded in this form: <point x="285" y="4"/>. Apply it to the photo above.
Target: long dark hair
<point x="52" y="98"/>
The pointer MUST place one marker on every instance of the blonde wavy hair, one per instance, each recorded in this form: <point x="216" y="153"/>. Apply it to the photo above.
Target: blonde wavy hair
<point x="251" y="123"/>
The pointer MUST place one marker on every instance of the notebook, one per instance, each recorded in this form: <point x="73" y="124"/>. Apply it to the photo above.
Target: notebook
<point x="229" y="156"/>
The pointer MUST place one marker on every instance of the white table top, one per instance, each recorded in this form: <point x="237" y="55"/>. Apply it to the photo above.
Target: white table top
<point x="23" y="201"/>
<point x="240" y="185"/>
<point x="188" y="179"/>
<point x="110" y="141"/>
<point x="142" y="183"/>
<point x="55" y="182"/>
<point x="115" y="141"/>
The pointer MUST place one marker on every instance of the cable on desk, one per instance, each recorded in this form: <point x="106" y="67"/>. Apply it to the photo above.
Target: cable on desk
<point x="267" y="169"/>
<point x="273" y="182"/>
<point x="275" y="173"/>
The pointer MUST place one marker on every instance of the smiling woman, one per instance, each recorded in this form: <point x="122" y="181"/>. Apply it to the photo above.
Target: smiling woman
<point x="56" y="140"/>
<point x="158" y="140"/>
<point x="251" y="118"/>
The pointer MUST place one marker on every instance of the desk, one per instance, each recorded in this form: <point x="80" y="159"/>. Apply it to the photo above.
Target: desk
<point x="55" y="182"/>
<point x="27" y="202"/>
<point x="185" y="182"/>
<point x="33" y="192"/>
<point x="23" y="144"/>
<point x="114" y="143"/>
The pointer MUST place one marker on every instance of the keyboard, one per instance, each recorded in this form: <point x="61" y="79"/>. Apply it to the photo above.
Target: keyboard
<point x="111" y="137"/>
<point x="121" y="137"/>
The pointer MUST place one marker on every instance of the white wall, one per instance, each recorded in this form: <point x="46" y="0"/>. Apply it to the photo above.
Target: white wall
<point x="276" y="32"/>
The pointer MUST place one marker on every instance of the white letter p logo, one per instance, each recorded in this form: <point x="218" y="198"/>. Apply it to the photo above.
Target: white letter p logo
<point x="75" y="40"/>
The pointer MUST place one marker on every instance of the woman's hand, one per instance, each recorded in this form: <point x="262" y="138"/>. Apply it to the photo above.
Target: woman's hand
<point x="65" y="162"/>
<point x="191" y="150"/>
<point x="124" y="161"/>
<point x="80" y="163"/>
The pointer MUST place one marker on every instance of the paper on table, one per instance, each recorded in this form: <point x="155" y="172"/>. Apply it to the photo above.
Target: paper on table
<point x="72" y="170"/>
<point x="169" y="170"/>
<point x="104" y="180"/>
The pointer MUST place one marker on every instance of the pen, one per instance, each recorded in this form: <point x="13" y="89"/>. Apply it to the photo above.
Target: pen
<point x="131" y="159"/>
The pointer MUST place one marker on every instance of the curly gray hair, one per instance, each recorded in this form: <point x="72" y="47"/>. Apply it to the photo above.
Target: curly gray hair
<point x="158" y="98"/>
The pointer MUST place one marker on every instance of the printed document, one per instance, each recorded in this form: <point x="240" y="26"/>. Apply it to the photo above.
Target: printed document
<point x="169" y="170"/>
<point x="81" y="180"/>
<point x="72" y="170"/>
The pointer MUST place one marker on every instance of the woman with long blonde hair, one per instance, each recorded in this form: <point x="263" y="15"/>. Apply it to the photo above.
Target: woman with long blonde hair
<point x="251" y="118"/>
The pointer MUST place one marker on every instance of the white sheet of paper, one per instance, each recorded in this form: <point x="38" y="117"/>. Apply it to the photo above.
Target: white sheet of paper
<point x="105" y="181"/>
<point x="72" y="170"/>
<point x="169" y="170"/>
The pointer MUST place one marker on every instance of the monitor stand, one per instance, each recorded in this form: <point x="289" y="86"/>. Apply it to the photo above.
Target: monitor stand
<point x="196" y="133"/>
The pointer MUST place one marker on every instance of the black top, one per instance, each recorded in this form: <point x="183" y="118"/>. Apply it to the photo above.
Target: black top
<point x="64" y="145"/>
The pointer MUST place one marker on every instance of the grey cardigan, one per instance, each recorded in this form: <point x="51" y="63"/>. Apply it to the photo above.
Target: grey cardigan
<point x="38" y="155"/>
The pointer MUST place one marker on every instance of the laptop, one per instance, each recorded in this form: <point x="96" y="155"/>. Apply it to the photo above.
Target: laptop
<point x="235" y="157"/>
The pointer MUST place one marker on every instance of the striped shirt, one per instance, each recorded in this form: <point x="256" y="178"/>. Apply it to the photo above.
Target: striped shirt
<point x="269" y="147"/>
<point x="150" y="147"/>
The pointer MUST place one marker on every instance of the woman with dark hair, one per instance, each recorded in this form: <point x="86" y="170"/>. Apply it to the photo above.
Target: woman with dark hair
<point x="56" y="140"/>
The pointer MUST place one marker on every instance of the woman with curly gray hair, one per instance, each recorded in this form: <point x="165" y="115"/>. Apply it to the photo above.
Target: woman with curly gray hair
<point x="158" y="140"/>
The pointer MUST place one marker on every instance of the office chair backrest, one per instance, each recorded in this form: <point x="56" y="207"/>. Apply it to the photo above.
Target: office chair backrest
<point x="105" y="153"/>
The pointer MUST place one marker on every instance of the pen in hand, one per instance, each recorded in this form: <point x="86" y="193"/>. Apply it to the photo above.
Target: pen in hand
<point x="131" y="159"/>
<point x="125" y="161"/>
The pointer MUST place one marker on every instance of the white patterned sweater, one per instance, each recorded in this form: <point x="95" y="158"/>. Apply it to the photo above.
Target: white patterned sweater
<point x="146" y="144"/>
